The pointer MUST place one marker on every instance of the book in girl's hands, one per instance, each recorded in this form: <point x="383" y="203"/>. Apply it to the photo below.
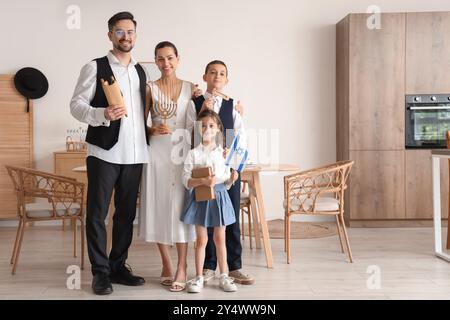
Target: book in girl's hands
<point x="203" y="193"/>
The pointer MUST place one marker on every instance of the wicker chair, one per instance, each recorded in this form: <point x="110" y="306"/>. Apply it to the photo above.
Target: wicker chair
<point x="318" y="191"/>
<point x="64" y="197"/>
<point x="245" y="207"/>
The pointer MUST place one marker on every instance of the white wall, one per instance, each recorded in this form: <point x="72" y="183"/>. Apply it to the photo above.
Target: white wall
<point x="280" y="53"/>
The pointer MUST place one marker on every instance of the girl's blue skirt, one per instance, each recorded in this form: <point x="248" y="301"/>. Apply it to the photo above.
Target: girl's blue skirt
<point x="217" y="212"/>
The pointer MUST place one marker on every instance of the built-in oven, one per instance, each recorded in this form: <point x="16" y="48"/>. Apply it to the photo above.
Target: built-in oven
<point x="427" y="121"/>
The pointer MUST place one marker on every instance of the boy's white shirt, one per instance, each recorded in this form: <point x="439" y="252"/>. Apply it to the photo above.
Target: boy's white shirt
<point x="200" y="157"/>
<point x="239" y="127"/>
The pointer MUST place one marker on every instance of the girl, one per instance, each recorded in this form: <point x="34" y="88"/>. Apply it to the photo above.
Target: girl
<point x="217" y="213"/>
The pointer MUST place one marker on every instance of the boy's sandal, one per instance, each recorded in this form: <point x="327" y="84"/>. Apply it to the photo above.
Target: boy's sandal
<point x="177" y="286"/>
<point x="166" y="281"/>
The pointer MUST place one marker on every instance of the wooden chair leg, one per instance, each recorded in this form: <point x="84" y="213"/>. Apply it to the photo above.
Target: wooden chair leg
<point x="82" y="242"/>
<point x="16" y="242"/>
<point x="242" y="224"/>
<point x="249" y="226"/>
<point x="285" y="234"/>
<point x="285" y="230"/>
<point x="73" y="222"/>
<point x="349" y="251"/>
<point x="338" y="224"/>
<point x="19" y="246"/>
<point x="256" y="224"/>
<point x="288" y="239"/>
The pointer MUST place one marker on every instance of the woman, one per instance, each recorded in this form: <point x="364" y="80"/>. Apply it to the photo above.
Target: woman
<point x="162" y="191"/>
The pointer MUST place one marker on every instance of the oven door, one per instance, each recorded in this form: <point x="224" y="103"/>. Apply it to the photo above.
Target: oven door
<point x="426" y="126"/>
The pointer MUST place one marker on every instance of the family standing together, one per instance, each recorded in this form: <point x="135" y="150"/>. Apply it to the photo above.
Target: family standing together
<point x="135" y="151"/>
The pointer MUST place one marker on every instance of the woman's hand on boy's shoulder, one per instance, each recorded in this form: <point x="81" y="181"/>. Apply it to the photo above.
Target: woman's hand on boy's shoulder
<point x="239" y="108"/>
<point x="196" y="91"/>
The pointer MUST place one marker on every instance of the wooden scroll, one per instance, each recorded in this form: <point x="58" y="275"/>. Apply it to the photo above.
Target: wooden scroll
<point x="222" y="95"/>
<point x="112" y="92"/>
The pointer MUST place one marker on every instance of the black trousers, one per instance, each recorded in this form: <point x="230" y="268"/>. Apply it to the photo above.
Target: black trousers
<point x="232" y="236"/>
<point x="103" y="177"/>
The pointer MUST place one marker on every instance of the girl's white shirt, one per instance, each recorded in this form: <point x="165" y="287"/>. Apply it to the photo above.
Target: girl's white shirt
<point x="200" y="157"/>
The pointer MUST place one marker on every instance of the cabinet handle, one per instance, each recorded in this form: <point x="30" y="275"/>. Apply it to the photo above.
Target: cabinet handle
<point x="430" y="108"/>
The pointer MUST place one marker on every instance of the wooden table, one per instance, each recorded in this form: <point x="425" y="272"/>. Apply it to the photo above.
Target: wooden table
<point x="251" y="175"/>
<point x="436" y="155"/>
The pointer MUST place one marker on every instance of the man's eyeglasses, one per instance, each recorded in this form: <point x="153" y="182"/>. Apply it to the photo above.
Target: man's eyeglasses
<point x="119" y="33"/>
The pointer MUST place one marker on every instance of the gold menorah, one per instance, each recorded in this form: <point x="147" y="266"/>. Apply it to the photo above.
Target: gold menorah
<point x="164" y="106"/>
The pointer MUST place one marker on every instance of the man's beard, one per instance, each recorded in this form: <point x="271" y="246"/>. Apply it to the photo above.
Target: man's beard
<point x="123" y="49"/>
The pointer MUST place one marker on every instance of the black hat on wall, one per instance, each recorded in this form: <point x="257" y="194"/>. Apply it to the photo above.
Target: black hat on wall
<point x="31" y="83"/>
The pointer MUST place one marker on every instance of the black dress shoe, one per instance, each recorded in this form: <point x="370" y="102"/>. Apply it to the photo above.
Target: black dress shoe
<point x="125" y="276"/>
<point x="101" y="284"/>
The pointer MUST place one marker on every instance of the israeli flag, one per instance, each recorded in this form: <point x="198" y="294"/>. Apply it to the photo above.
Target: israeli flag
<point x="238" y="155"/>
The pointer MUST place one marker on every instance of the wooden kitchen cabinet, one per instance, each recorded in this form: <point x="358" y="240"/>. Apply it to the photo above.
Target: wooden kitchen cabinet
<point x="375" y="69"/>
<point x="427" y="52"/>
<point x="377" y="186"/>
<point x="370" y="116"/>
<point x="16" y="141"/>
<point x="419" y="187"/>
<point x="370" y="80"/>
<point x="342" y="89"/>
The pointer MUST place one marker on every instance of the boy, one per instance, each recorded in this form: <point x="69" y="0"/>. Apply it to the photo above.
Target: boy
<point x="216" y="78"/>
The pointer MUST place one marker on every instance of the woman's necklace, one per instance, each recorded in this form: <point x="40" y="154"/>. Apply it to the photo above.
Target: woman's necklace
<point x="171" y="88"/>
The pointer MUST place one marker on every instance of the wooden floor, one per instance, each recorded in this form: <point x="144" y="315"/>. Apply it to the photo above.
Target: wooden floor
<point x="409" y="269"/>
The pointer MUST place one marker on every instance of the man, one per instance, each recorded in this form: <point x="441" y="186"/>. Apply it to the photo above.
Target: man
<point x="117" y="149"/>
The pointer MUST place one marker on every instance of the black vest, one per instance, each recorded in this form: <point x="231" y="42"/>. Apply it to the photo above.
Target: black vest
<point x="107" y="137"/>
<point x="225" y="114"/>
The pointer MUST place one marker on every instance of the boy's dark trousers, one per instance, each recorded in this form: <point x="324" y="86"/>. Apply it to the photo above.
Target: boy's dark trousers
<point x="103" y="177"/>
<point x="232" y="236"/>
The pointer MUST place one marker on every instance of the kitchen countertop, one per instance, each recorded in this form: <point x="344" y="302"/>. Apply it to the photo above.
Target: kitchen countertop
<point x="441" y="152"/>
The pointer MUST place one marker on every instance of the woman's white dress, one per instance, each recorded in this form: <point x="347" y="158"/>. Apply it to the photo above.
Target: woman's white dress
<point x="162" y="196"/>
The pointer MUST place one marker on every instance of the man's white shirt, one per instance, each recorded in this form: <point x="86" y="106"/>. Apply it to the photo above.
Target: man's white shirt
<point x="131" y="147"/>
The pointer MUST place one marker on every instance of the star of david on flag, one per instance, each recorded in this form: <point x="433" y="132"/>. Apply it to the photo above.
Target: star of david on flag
<point x="238" y="155"/>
